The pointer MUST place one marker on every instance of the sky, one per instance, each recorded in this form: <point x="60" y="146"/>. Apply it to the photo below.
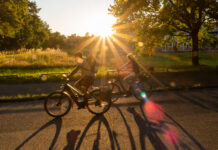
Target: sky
<point x="77" y="16"/>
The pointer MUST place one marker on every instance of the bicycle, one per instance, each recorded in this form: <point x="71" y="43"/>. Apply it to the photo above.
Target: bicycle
<point x="138" y="87"/>
<point x="58" y="103"/>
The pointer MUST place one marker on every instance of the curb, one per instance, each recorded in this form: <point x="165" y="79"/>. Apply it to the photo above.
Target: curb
<point x="185" y="88"/>
<point x="155" y="90"/>
<point x="23" y="99"/>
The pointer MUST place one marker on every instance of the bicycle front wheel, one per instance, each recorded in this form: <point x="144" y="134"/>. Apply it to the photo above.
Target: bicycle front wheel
<point x="57" y="104"/>
<point x="97" y="104"/>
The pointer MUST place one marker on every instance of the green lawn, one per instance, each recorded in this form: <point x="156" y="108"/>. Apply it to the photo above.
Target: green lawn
<point x="28" y="75"/>
<point x="22" y="97"/>
<point x="31" y="65"/>
<point x="178" y="60"/>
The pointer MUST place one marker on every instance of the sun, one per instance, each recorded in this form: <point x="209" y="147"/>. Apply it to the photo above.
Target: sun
<point x="104" y="31"/>
<point x="101" y="25"/>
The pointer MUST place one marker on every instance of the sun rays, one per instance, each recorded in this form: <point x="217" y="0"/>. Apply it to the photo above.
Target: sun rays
<point x="109" y="42"/>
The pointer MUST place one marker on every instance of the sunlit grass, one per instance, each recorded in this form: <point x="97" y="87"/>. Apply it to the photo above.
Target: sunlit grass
<point x="35" y="57"/>
<point x="29" y="65"/>
<point x="22" y="97"/>
<point x="178" y="60"/>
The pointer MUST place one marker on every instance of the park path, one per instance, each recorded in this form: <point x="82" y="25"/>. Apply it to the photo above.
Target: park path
<point x="191" y="114"/>
<point x="29" y="88"/>
<point x="173" y="80"/>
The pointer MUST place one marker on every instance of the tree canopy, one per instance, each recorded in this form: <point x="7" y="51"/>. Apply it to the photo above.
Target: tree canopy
<point x="20" y="25"/>
<point x="154" y="19"/>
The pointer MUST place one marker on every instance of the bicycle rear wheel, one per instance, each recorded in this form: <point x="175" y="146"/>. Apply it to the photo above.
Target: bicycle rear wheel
<point x="97" y="104"/>
<point x="141" y="90"/>
<point x="57" y="104"/>
<point x="115" y="92"/>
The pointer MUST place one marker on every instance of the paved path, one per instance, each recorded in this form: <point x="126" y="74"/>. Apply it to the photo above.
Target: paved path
<point x="23" y="89"/>
<point x="172" y="79"/>
<point x="190" y="114"/>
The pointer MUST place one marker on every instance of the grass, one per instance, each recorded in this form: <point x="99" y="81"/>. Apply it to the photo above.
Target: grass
<point x="39" y="75"/>
<point x="21" y="97"/>
<point x="178" y="59"/>
<point x="26" y="66"/>
<point x="26" y="75"/>
<point x="35" y="58"/>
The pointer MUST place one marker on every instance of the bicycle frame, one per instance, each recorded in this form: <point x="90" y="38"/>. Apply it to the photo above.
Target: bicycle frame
<point x="119" y="80"/>
<point x="73" y="92"/>
<point x="69" y="93"/>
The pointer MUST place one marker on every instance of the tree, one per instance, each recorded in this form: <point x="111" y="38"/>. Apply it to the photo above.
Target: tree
<point x="55" y="40"/>
<point x="156" y="18"/>
<point x="10" y="20"/>
<point x="20" y="25"/>
<point x="34" y="31"/>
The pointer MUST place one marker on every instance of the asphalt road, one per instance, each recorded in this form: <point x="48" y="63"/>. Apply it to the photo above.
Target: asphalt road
<point x="190" y="123"/>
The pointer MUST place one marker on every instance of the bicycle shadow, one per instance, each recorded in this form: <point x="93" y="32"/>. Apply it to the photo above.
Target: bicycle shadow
<point x="148" y="129"/>
<point x="200" y="102"/>
<point x="56" y="121"/>
<point x="145" y="129"/>
<point x="75" y="133"/>
<point x="155" y="131"/>
<point x="131" y="138"/>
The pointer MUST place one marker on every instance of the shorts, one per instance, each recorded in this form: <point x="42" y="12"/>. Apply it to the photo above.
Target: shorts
<point x="85" y="81"/>
<point x="130" y="76"/>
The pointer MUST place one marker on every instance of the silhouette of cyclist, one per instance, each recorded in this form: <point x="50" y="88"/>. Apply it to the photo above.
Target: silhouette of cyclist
<point x="132" y="69"/>
<point x="88" y="70"/>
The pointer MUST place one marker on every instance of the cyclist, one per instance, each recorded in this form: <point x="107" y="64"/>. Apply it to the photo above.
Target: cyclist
<point x="132" y="69"/>
<point x="88" y="70"/>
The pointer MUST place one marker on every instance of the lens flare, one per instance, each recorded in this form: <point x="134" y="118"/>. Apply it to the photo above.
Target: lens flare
<point x="171" y="136"/>
<point x="43" y="77"/>
<point x="80" y="60"/>
<point x="172" y="84"/>
<point x="144" y="96"/>
<point x="153" y="112"/>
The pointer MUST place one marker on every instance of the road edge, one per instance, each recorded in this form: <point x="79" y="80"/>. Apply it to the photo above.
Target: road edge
<point x="156" y="90"/>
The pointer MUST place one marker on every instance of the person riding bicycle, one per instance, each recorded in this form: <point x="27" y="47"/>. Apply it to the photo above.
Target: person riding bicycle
<point x="88" y="70"/>
<point x="132" y="69"/>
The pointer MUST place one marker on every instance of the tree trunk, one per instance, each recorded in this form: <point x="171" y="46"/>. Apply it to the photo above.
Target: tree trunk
<point x="195" y="57"/>
<point x="175" y="46"/>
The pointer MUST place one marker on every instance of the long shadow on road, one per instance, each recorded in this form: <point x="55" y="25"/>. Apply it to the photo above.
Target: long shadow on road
<point x="155" y="132"/>
<point x="56" y="121"/>
<point x="131" y="138"/>
<point x="205" y="104"/>
<point x="100" y="119"/>
<point x="145" y="129"/>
